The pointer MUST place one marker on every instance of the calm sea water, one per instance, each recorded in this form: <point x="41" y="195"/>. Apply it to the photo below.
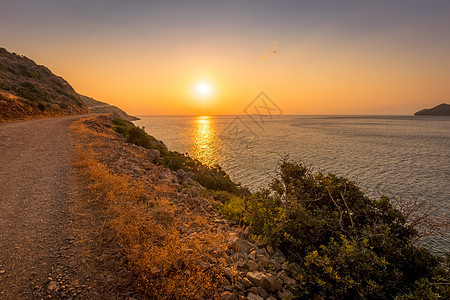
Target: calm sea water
<point x="403" y="155"/>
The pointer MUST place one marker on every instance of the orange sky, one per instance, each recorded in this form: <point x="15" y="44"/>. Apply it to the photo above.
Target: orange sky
<point x="352" y="58"/>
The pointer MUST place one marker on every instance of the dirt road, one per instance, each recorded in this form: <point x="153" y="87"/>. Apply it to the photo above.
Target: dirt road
<point x="35" y="164"/>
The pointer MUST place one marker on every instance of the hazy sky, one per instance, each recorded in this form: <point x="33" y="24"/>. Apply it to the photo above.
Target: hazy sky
<point x="310" y="57"/>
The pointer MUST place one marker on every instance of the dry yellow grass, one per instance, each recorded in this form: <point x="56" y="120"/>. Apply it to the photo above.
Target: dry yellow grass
<point x="168" y="262"/>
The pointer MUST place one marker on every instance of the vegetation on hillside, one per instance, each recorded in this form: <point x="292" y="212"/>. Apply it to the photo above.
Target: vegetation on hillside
<point x="213" y="178"/>
<point x="343" y="244"/>
<point x="27" y="89"/>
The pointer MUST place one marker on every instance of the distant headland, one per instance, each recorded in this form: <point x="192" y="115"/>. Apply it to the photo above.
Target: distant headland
<point x="440" y="110"/>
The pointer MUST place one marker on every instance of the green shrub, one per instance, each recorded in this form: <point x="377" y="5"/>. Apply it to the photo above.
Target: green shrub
<point x="210" y="177"/>
<point x="346" y="245"/>
<point x="30" y="91"/>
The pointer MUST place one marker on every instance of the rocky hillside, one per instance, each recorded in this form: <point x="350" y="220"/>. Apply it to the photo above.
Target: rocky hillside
<point x="177" y="244"/>
<point x="28" y="90"/>
<point x="439" y="110"/>
<point x="99" y="107"/>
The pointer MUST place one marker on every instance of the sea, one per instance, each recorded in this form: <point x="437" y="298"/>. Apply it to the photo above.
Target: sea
<point x="404" y="156"/>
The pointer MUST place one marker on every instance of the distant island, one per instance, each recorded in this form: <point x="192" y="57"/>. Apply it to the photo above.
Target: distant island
<point x="440" y="110"/>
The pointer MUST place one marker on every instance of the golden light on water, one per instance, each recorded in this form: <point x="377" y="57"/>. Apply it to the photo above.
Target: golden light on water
<point x="204" y="137"/>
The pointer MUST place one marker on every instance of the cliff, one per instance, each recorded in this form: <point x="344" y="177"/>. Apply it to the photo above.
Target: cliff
<point x="440" y="110"/>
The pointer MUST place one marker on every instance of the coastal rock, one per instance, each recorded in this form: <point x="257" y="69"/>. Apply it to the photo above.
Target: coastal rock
<point x="153" y="154"/>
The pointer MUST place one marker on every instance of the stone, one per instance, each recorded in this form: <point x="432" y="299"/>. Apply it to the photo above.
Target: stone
<point x="285" y="295"/>
<point x="181" y="173"/>
<point x="270" y="249"/>
<point x="255" y="277"/>
<point x="247" y="283"/>
<point x="239" y="286"/>
<point x="238" y="244"/>
<point x="228" y="272"/>
<point x="227" y="296"/>
<point x="153" y="154"/>
<point x="252" y="296"/>
<point x="285" y="266"/>
<point x="280" y="259"/>
<point x="228" y="287"/>
<point x="270" y="283"/>
<point x="242" y="264"/>
<point x="271" y="298"/>
<point x="252" y="255"/>
<point x="254" y="290"/>
<point x="276" y="264"/>
<point x="263" y="293"/>
<point x="253" y="266"/>
<point x="262" y="260"/>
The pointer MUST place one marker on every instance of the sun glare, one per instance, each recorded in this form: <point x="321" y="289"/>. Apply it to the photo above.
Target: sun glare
<point x="203" y="89"/>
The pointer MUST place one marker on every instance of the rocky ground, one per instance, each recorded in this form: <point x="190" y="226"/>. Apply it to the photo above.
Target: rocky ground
<point x="253" y="270"/>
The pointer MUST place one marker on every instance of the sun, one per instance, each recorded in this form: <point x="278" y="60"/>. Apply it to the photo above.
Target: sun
<point x="203" y="90"/>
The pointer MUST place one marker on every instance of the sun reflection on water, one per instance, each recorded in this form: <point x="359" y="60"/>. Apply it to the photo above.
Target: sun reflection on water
<point x="204" y="140"/>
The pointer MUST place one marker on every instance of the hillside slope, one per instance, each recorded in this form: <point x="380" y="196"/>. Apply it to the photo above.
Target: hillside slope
<point x="99" y="107"/>
<point x="28" y="90"/>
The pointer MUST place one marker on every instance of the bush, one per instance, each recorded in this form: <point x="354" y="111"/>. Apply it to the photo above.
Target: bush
<point x="210" y="177"/>
<point x="30" y="91"/>
<point x="345" y="244"/>
<point x="28" y="72"/>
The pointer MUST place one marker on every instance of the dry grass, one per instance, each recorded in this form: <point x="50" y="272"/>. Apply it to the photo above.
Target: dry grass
<point x="173" y="251"/>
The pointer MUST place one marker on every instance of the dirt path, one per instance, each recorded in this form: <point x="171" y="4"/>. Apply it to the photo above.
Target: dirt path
<point x="35" y="164"/>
